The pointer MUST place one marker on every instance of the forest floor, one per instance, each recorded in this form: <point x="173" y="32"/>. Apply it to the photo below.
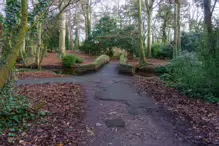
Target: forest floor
<point x="112" y="109"/>
<point x="30" y="74"/>
<point x="65" y="104"/>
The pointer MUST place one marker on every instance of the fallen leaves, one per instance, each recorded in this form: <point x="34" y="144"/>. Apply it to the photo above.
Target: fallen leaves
<point x="37" y="74"/>
<point x="64" y="126"/>
<point x="202" y="115"/>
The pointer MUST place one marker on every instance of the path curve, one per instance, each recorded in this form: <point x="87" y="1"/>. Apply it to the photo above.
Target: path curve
<point x="117" y="116"/>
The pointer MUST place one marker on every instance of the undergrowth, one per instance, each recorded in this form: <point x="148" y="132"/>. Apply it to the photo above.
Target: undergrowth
<point x="16" y="112"/>
<point x="197" y="73"/>
<point x="71" y="60"/>
<point x="197" y="78"/>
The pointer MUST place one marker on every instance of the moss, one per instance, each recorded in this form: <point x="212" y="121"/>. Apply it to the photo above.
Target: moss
<point x="94" y="66"/>
<point x="123" y="59"/>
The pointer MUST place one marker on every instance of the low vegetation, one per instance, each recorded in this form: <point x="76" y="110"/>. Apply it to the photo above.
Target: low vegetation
<point x="196" y="72"/>
<point x="162" y="51"/>
<point x="15" y="111"/>
<point x="71" y="60"/>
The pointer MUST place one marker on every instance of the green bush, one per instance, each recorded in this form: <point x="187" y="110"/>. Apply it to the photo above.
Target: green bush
<point x="156" y="49"/>
<point x="78" y="59"/>
<point x="69" y="61"/>
<point x="191" y="41"/>
<point x="90" y="47"/>
<point x="107" y="35"/>
<point x="162" y="51"/>
<point x="161" y="69"/>
<point x="190" y="74"/>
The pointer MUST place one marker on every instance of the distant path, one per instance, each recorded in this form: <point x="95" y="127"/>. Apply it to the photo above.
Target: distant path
<point x="117" y="115"/>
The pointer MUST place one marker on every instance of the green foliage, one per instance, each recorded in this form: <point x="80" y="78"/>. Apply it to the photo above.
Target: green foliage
<point x="14" y="110"/>
<point x="162" y="51"/>
<point x="78" y="59"/>
<point x="13" y="14"/>
<point x="1" y="18"/>
<point x="165" y="13"/>
<point x="193" y="77"/>
<point x="11" y="25"/>
<point x="128" y="39"/>
<point x="156" y="49"/>
<point x="101" y="40"/>
<point x="67" y="40"/>
<point x="196" y="72"/>
<point x="105" y="26"/>
<point x="162" y="69"/>
<point x="39" y="8"/>
<point x="51" y="36"/>
<point x="71" y="60"/>
<point x="90" y="47"/>
<point x="107" y="35"/>
<point x="191" y="41"/>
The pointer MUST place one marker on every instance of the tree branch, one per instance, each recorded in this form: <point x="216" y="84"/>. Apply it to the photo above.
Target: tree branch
<point x="215" y="1"/>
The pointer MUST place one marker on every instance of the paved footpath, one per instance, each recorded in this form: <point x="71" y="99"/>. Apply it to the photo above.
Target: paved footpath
<point x="117" y="116"/>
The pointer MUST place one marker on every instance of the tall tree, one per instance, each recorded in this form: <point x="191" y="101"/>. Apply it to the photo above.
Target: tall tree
<point x="149" y="10"/>
<point x="39" y="45"/>
<point x="166" y="15"/>
<point x="208" y="12"/>
<point x="140" y="29"/>
<point x="208" y="24"/>
<point x="89" y="17"/>
<point x="177" y="40"/>
<point x="87" y="10"/>
<point x="62" y="29"/>
<point x="6" y="70"/>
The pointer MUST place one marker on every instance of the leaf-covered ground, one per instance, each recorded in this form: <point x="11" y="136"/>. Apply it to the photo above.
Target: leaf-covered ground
<point x="203" y="116"/>
<point x="63" y="126"/>
<point x="37" y="74"/>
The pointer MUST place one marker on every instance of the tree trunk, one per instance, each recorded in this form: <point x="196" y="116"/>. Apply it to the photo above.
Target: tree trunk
<point x="168" y="36"/>
<point x="22" y="52"/>
<point x="89" y="17"/>
<point x="149" y="34"/>
<point x="175" y="49"/>
<point x="164" y="37"/>
<point x="179" y="28"/>
<point x="77" y="40"/>
<point x="62" y="32"/>
<point x="71" y="41"/>
<point x="39" y="45"/>
<point x="207" y="16"/>
<point x="140" y="27"/>
<point x="212" y="42"/>
<point x="5" y="71"/>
